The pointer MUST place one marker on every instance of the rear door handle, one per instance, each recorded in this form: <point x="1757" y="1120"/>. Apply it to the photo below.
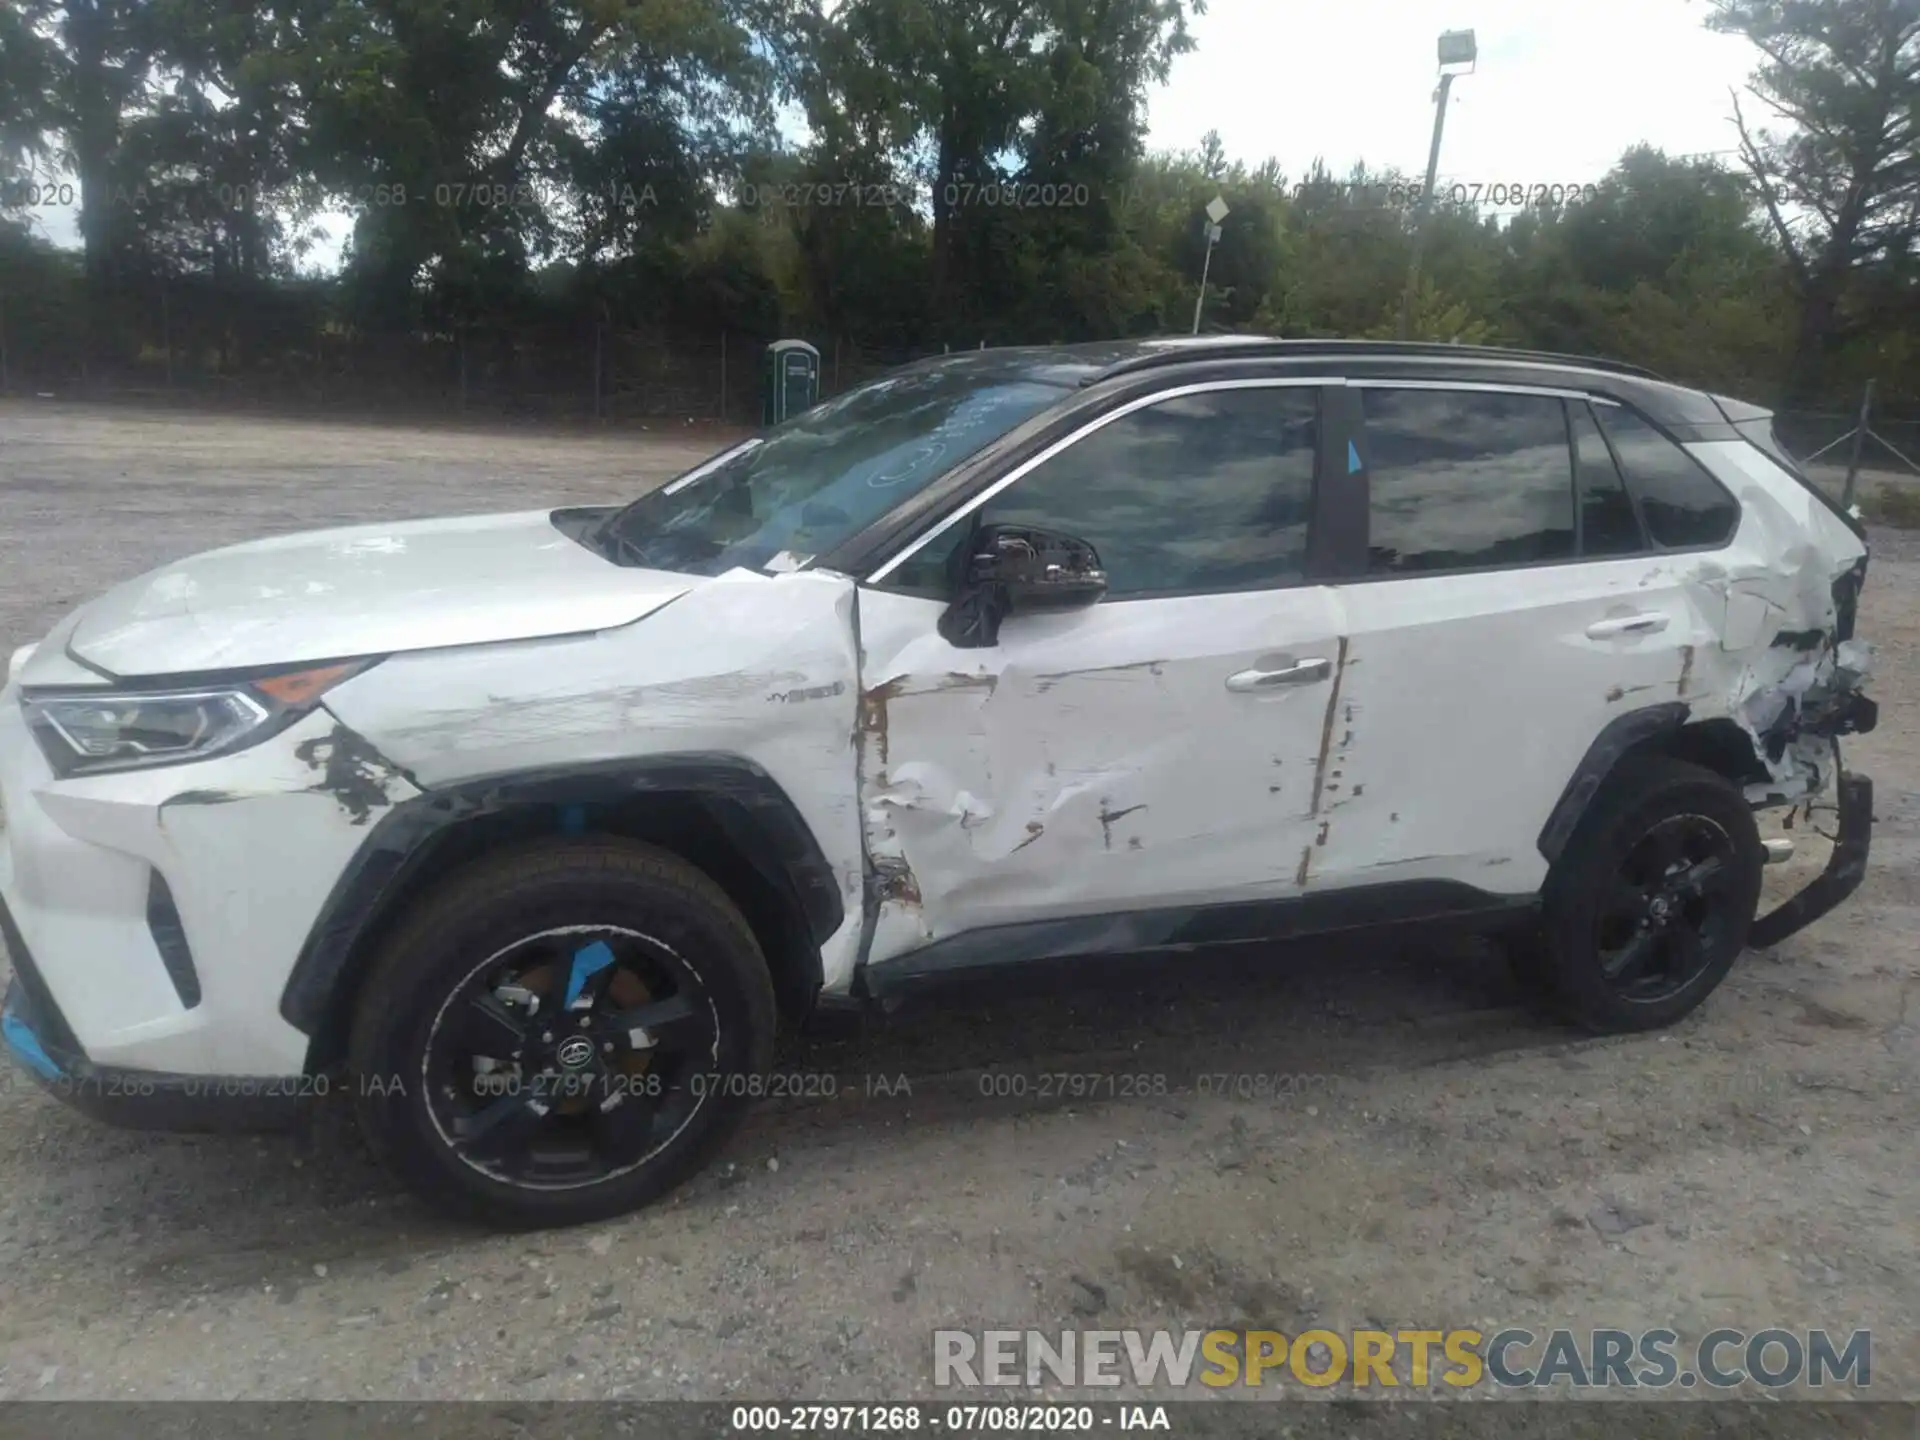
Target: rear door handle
<point x="1649" y="622"/>
<point x="1301" y="672"/>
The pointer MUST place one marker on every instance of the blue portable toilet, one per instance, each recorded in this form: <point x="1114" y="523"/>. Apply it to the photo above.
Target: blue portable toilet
<point x="792" y="380"/>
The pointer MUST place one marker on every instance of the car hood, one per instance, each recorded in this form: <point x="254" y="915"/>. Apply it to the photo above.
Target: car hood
<point x="362" y="590"/>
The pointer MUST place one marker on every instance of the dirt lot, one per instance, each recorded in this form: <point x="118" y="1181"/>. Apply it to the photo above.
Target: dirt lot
<point x="1436" y="1156"/>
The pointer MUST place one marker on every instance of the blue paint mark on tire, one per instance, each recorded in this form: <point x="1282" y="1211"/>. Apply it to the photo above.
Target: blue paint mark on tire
<point x="588" y="961"/>
<point x="573" y="820"/>
<point x="1353" y="458"/>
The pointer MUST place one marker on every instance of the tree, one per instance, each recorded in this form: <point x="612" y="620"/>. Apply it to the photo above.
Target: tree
<point x="1841" y="188"/>
<point x="29" y="62"/>
<point x="1663" y="264"/>
<point x="986" y="99"/>
<point x="100" y="79"/>
<point x="473" y="134"/>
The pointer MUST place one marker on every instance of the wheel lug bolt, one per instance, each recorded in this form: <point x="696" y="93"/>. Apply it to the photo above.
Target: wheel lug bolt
<point x="546" y="1035"/>
<point x="583" y="1022"/>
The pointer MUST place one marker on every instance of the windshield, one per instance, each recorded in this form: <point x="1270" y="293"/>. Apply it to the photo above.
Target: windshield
<point x="775" y="502"/>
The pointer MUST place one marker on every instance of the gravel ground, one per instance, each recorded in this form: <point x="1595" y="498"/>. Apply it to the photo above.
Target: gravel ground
<point x="1453" y="1159"/>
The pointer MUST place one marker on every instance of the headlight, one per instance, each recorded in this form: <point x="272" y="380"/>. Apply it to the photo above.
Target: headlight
<point x="82" y="732"/>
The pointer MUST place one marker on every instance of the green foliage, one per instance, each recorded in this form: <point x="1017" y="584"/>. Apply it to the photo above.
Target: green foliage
<point x="1838" y="184"/>
<point x="971" y="170"/>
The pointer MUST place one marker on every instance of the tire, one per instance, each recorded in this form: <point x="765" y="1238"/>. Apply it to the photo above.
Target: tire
<point x="470" y="1078"/>
<point x="1637" y="926"/>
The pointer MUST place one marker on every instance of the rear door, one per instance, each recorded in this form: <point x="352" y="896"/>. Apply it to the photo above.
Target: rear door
<point x="1154" y="751"/>
<point x="1511" y="607"/>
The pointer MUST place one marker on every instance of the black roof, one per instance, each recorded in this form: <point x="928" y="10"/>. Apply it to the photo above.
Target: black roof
<point x="1093" y="361"/>
<point x="1686" y="414"/>
<point x="1134" y="355"/>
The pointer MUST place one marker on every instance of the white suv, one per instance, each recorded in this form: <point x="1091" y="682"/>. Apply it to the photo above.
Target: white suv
<point x="525" y="830"/>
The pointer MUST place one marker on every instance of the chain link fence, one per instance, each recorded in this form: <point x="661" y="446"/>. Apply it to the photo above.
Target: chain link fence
<point x="596" y="372"/>
<point x="1859" y="457"/>
<point x="280" y="346"/>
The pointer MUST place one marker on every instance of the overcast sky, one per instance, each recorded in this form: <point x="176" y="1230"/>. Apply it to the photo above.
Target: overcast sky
<point x="1562" y="86"/>
<point x="1561" y="89"/>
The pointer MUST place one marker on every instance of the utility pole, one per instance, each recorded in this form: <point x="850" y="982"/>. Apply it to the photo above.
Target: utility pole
<point x="1456" y="50"/>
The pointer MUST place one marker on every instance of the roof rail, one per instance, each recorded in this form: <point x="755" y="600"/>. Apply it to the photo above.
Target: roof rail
<point x="1182" y="348"/>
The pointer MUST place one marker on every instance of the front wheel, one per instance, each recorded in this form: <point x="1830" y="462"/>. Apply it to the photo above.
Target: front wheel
<point x="1649" y="905"/>
<point x="561" y="1033"/>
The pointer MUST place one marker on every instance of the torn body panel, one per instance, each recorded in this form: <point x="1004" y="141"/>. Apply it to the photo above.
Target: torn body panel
<point x="744" y="664"/>
<point x="245" y="846"/>
<point x="1090" y="761"/>
<point x="1797" y="673"/>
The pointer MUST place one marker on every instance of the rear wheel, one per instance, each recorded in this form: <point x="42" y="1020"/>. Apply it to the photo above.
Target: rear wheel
<point x="561" y="1033"/>
<point x="1650" y="903"/>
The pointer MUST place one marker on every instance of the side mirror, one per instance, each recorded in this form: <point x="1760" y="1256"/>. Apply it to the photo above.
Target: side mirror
<point x="1014" y="570"/>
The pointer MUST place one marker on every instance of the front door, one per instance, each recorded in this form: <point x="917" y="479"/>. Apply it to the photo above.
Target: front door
<point x="1155" y="751"/>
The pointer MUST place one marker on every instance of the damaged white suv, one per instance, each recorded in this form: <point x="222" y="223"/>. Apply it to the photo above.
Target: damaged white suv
<point x="525" y="830"/>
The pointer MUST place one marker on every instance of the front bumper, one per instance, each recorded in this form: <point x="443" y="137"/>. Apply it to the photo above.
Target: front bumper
<point x="152" y="918"/>
<point x="142" y="1099"/>
<point x="1846" y="868"/>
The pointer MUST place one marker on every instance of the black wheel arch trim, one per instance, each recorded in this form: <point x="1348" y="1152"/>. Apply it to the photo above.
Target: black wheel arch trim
<point x="753" y="812"/>
<point x="1619" y="735"/>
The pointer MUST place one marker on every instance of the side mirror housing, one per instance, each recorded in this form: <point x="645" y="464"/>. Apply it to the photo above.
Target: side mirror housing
<point x="1015" y="570"/>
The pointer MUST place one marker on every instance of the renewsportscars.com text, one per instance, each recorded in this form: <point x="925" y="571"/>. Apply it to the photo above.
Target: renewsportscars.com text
<point x="1417" y="1359"/>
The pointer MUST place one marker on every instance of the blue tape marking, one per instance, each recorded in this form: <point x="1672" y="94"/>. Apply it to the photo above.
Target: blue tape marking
<point x="1353" y="459"/>
<point x="573" y="820"/>
<point x="25" y="1044"/>
<point x="588" y="961"/>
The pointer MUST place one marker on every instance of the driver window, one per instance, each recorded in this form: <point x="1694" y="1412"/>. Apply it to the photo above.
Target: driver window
<point x="1195" y="494"/>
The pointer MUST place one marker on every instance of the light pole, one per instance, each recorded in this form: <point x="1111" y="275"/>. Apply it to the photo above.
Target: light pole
<point x="1216" y="212"/>
<point x="1457" y="54"/>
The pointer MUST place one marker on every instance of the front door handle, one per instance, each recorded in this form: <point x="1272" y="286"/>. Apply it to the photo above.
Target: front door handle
<point x="1649" y="622"/>
<point x="1302" y="672"/>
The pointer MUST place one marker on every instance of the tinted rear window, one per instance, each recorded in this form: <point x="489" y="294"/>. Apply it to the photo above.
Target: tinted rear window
<point x="1608" y="525"/>
<point x="1682" y="504"/>
<point x="1466" y="480"/>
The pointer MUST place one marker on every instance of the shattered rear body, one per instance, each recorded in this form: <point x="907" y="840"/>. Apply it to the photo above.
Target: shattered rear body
<point x="1788" y="664"/>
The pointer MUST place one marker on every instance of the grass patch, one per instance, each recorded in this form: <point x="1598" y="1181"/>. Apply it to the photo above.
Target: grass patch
<point x="1896" y="505"/>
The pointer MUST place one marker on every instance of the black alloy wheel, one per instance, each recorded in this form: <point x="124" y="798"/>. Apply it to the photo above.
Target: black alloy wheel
<point x="561" y="1032"/>
<point x="1648" y="906"/>
<point x="1671" y="909"/>
<point x="570" y="1057"/>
